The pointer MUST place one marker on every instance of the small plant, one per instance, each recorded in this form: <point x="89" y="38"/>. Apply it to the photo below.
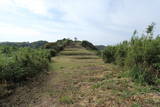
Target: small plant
<point x="97" y="85"/>
<point x="66" y="100"/>
<point x="136" y="105"/>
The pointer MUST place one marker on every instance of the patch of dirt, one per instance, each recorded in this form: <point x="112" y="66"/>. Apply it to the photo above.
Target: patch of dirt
<point x="29" y="93"/>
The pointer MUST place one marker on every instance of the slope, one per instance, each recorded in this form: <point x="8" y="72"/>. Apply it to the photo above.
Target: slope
<point x="79" y="78"/>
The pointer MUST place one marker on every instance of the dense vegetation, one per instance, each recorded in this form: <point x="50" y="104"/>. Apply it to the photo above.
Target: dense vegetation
<point x="37" y="44"/>
<point x="140" y="56"/>
<point x="58" y="45"/>
<point x="22" y="60"/>
<point x="18" y="64"/>
<point x="88" y="45"/>
<point x="19" y="61"/>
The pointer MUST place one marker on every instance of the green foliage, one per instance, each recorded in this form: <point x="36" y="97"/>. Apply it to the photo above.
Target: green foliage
<point x="66" y="100"/>
<point x="88" y="45"/>
<point x="109" y="54"/>
<point x="53" y="52"/>
<point x="99" y="53"/>
<point x="37" y="44"/>
<point x="18" y="61"/>
<point x="140" y="55"/>
<point x="59" y="45"/>
<point x="121" y="53"/>
<point x="23" y="63"/>
<point x="53" y="46"/>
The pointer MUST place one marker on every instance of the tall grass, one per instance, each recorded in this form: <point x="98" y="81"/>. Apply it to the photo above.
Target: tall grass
<point x="140" y="55"/>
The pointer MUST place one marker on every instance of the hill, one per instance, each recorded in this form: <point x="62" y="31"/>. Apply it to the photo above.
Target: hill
<point x="78" y="77"/>
<point x="36" y="44"/>
<point x="100" y="47"/>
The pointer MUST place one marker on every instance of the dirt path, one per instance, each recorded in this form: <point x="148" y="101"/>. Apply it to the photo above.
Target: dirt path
<point x="79" y="78"/>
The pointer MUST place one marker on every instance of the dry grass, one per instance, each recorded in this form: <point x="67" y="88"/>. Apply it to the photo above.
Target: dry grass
<point x="77" y="80"/>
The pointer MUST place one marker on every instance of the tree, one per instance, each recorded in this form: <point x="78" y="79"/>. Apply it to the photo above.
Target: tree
<point x="75" y="39"/>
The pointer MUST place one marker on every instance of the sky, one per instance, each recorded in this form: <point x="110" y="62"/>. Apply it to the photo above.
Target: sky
<point x="102" y="22"/>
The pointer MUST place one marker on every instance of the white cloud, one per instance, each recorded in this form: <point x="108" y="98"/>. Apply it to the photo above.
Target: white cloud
<point x="101" y="21"/>
<point x="35" y="6"/>
<point x="6" y="5"/>
<point x="9" y="29"/>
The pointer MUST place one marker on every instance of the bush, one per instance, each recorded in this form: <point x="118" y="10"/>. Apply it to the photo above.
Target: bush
<point x="53" y="46"/>
<point x="23" y="64"/>
<point x="121" y="53"/>
<point x="140" y="55"/>
<point x="59" y="45"/>
<point x="88" y="45"/>
<point x="18" y="64"/>
<point x="109" y="54"/>
<point x="53" y="52"/>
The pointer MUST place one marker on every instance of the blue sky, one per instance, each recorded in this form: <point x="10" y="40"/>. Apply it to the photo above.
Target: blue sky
<point x="99" y="21"/>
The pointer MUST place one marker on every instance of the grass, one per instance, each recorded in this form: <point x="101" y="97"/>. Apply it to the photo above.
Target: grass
<point x="136" y="105"/>
<point x="97" y="85"/>
<point x="75" y="51"/>
<point x="79" y="80"/>
<point x="66" y="100"/>
<point x="93" y="74"/>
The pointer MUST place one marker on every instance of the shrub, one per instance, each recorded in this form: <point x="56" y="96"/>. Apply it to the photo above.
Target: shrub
<point x="109" y="54"/>
<point x="23" y="64"/>
<point x="121" y="53"/>
<point x="53" y="52"/>
<point x="88" y="45"/>
<point x="59" y="45"/>
<point x="140" y="55"/>
<point x="18" y="64"/>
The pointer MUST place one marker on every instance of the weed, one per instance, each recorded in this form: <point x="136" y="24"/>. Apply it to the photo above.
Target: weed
<point x="136" y="105"/>
<point x="66" y="100"/>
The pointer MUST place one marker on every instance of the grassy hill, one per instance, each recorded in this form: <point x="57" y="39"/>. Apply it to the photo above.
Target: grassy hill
<point x="77" y="77"/>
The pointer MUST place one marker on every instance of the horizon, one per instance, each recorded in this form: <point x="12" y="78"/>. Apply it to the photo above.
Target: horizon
<point x="102" y="22"/>
<point x="45" y="41"/>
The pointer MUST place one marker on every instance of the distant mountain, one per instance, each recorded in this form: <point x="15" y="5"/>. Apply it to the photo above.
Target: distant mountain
<point x="36" y="44"/>
<point x="100" y="47"/>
